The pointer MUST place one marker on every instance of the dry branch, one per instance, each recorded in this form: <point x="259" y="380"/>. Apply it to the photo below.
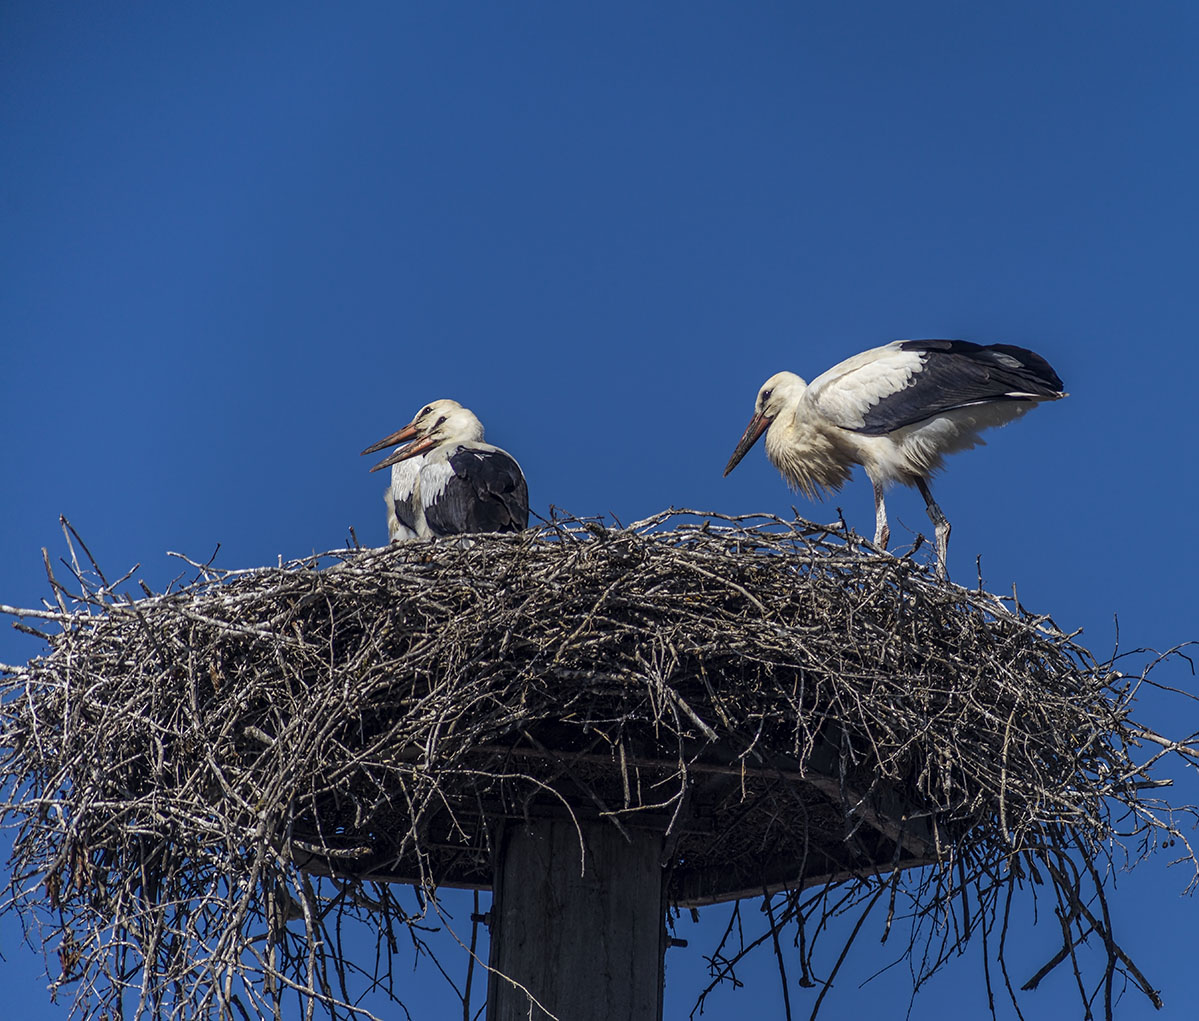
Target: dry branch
<point x="203" y="783"/>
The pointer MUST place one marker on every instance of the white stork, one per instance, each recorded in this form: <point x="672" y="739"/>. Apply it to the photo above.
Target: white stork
<point x="446" y="480"/>
<point x="896" y="410"/>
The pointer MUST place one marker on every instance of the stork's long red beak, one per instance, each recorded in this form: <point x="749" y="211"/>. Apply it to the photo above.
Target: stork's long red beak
<point x="401" y="436"/>
<point x="757" y="425"/>
<point x="414" y="448"/>
<point x="390" y="441"/>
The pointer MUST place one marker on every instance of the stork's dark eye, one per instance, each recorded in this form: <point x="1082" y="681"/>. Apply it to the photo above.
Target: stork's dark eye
<point x="766" y="395"/>
<point x="425" y="411"/>
<point x="439" y="422"/>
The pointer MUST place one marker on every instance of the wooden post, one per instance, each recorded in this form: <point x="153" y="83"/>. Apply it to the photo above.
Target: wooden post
<point x="581" y="928"/>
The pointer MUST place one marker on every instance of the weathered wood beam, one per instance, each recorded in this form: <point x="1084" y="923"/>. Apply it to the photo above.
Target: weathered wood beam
<point x="577" y="924"/>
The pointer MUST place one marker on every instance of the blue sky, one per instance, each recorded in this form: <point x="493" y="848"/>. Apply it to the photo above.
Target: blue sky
<point x="242" y="241"/>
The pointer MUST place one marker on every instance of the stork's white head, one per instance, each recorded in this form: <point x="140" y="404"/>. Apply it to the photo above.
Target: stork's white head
<point x="423" y="422"/>
<point x="450" y="425"/>
<point x="780" y="392"/>
<point x="436" y="423"/>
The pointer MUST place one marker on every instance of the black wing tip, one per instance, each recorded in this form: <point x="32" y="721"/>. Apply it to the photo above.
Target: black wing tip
<point x="1031" y="366"/>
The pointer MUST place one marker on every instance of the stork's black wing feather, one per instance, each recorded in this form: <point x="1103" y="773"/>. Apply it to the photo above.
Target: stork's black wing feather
<point x="405" y="511"/>
<point x="486" y="493"/>
<point x="958" y="374"/>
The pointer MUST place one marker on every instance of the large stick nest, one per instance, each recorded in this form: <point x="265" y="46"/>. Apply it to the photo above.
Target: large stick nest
<point x="203" y="782"/>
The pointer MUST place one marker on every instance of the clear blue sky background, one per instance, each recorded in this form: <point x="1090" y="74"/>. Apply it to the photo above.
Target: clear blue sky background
<point x="242" y="241"/>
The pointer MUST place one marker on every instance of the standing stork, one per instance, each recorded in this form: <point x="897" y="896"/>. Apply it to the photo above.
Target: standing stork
<point x="445" y="480"/>
<point x="896" y="410"/>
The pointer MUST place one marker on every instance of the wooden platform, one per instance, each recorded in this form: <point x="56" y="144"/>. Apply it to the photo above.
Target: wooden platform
<point x="729" y="827"/>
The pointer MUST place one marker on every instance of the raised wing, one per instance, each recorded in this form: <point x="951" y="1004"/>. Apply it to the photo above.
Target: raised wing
<point x="910" y="381"/>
